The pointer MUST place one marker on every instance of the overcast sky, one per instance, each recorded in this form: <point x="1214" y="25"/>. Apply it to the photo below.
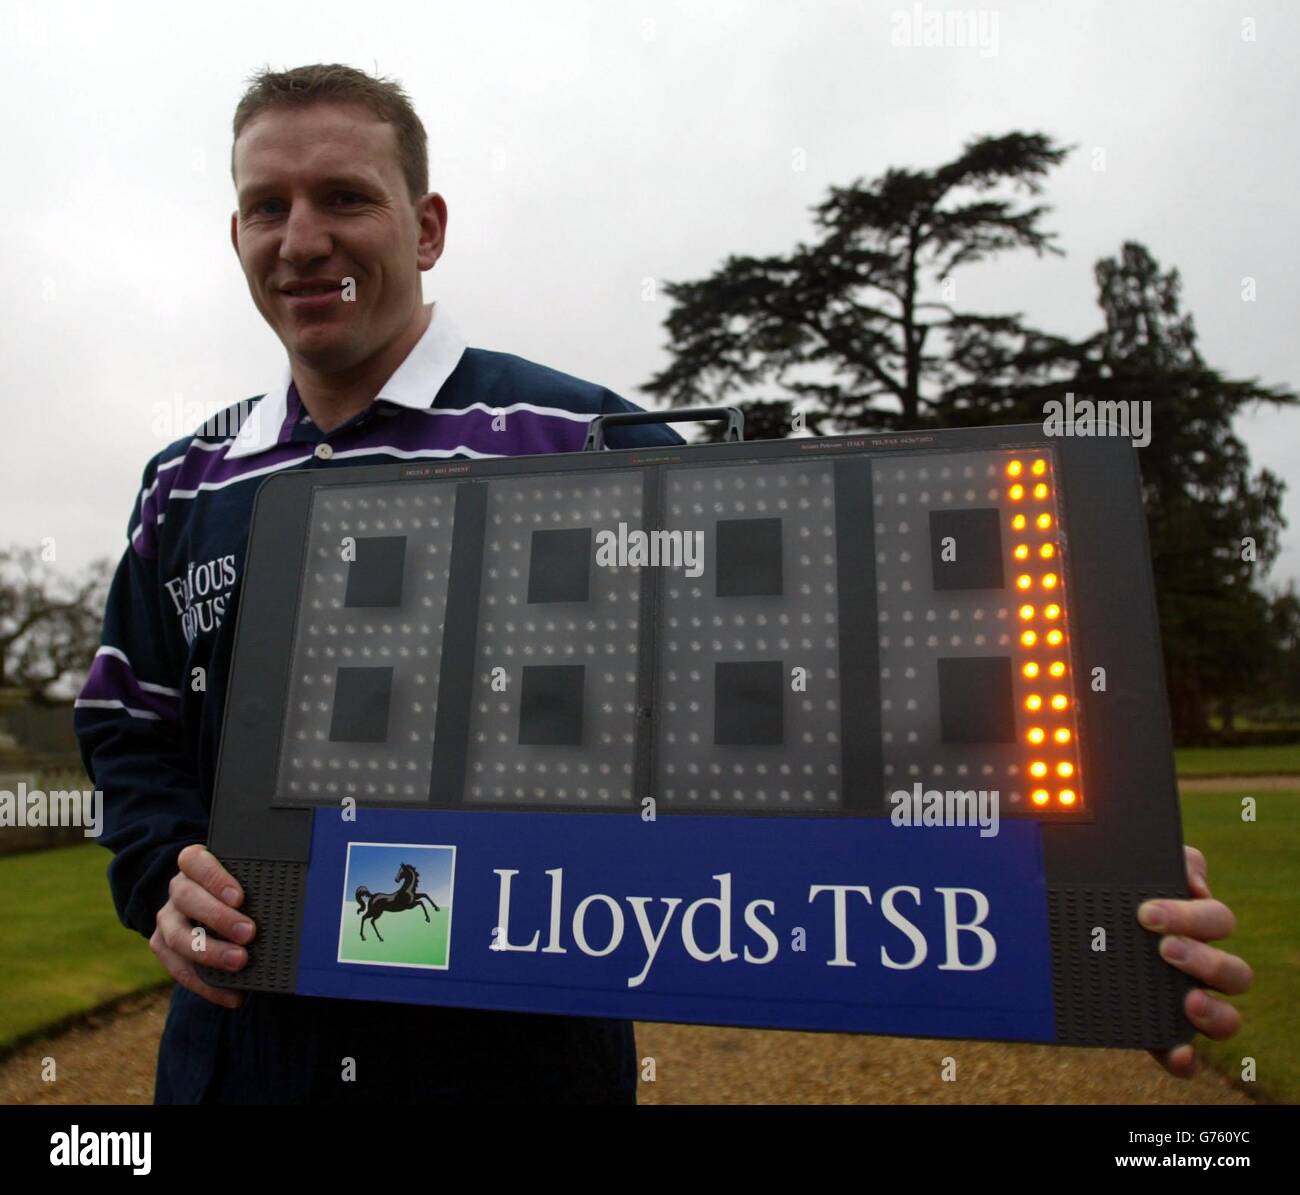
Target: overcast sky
<point x="585" y="145"/>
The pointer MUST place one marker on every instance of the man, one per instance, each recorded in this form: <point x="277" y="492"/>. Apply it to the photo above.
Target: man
<point x="331" y="175"/>
<point x="334" y="225"/>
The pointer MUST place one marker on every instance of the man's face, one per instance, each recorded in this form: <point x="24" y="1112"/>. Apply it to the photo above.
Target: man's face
<point x="322" y="198"/>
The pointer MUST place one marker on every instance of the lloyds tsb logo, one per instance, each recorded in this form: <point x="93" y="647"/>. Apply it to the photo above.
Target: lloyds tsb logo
<point x="397" y="903"/>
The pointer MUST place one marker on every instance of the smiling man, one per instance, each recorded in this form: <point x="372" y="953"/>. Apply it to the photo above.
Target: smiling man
<point x="334" y="226"/>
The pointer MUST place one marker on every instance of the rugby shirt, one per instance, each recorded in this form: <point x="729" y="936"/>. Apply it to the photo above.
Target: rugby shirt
<point x="149" y="732"/>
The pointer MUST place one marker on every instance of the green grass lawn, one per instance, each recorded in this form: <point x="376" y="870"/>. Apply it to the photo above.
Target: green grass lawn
<point x="64" y="950"/>
<point x="1254" y="869"/>
<point x="1239" y="761"/>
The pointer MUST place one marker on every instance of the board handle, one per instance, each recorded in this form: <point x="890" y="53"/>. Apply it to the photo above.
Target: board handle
<point x="734" y="416"/>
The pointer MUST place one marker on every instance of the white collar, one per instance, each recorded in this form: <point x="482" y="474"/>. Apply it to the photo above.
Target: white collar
<point x="415" y="384"/>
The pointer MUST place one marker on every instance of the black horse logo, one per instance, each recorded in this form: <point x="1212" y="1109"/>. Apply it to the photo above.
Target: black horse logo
<point x="372" y="906"/>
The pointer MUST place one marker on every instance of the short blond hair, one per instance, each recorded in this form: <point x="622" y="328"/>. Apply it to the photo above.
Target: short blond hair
<point x="335" y="83"/>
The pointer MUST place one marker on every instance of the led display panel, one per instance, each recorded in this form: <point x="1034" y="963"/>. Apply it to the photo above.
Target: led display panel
<point x="855" y="733"/>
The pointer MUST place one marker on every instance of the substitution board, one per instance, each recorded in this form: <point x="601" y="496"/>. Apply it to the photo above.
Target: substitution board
<point x="862" y="733"/>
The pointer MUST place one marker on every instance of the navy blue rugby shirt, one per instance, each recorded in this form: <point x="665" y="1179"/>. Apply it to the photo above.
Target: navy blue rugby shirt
<point x="148" y="740"/>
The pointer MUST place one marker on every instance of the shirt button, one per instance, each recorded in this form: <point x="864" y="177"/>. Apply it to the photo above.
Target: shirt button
<point x="324" y="452"/>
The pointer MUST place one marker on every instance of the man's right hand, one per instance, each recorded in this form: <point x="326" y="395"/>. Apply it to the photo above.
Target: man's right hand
<point x="203" y="893"/>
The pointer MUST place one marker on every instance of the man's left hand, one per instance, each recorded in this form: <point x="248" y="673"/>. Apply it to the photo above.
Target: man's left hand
<point x="1187" y="926"/>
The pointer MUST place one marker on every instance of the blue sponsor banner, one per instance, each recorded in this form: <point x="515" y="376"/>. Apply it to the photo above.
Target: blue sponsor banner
<point x="795" y="923"/>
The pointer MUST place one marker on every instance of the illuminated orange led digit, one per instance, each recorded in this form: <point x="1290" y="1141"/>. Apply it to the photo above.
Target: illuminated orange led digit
<point x="1018" y="471"/>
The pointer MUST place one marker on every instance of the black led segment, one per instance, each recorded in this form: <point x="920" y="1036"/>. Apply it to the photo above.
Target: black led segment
<point x="550" y="705"/>
<point x="975" y="700"/>
<point x="548" y="594"/>
<point x="749" y="557"/>
<point x="748" y="706"/>
<point x="966" y="549"/>
<point x="375" y="576"/>
<point x="560" y="566"/>
<point x="371" y="591"/>
<point x="361" y="699"/>
<point x="748" y="684"/>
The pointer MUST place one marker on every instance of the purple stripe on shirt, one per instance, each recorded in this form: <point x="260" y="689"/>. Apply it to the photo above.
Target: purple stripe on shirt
<point x="146" y="543"/>
<point x="111" y="679"/>
<point x="524" y="433"/>
<point x="292" y="413"/>
<point x="208" y="468"/>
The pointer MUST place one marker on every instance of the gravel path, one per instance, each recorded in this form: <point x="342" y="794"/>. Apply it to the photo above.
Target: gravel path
<point x="110" y="1059"/>
<point x="106" y="1059"/>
